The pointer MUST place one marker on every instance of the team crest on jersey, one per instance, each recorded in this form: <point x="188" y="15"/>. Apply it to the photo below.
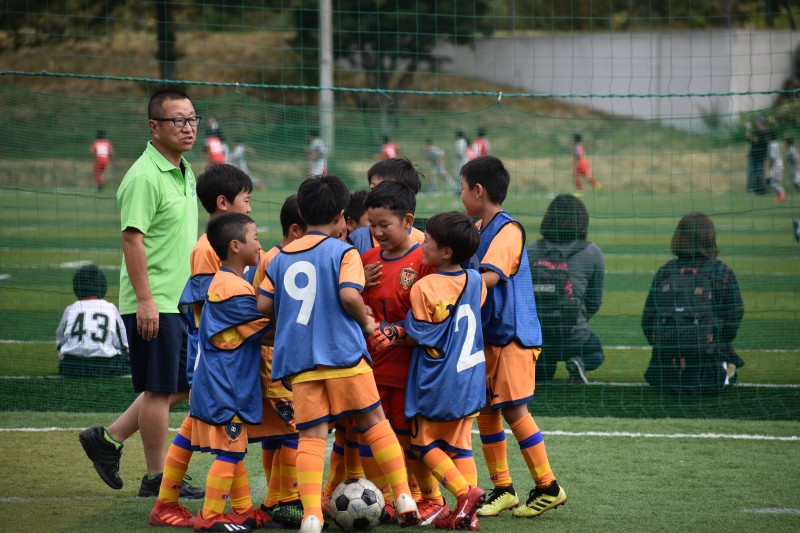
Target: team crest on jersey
<point x="407" y="278"/>
<point x="233" y="429"/>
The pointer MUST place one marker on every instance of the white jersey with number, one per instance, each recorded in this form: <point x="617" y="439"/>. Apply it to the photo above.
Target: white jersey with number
<point x="91" y="328"/>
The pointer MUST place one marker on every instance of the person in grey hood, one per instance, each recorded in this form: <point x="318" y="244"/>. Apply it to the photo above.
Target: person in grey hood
<point x="568" y="273"/>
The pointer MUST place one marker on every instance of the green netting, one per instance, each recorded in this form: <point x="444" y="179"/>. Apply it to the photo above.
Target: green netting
<point x="660" y="94"/>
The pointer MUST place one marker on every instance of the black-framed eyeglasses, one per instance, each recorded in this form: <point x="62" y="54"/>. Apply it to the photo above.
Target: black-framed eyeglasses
<point x="180" y="122"/>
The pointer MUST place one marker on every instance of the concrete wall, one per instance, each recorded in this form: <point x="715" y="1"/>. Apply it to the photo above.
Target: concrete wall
<point x="597" y="65"/>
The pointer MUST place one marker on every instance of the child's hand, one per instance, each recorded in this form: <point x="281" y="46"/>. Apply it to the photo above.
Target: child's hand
<point x="368" y="327"/>
<point x="384" y="335"/>
<point x="371" y="274"/>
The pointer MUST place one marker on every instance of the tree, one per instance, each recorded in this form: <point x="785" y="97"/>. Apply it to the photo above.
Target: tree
<point x="388" y="40"/>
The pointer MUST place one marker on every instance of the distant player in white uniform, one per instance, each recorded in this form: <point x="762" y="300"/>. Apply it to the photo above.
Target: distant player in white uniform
<point x="91" y="338"/>
<point x="316" y="153"/>
<point x="790" y="155"/>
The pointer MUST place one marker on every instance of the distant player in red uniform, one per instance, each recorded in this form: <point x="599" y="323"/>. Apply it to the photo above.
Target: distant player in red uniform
<point x="215" y="149"/>
<point x="389" y="149"/>
<point x="481" y="145"/>
<point x="582" y="168"/>
<point x="102" y="150"/>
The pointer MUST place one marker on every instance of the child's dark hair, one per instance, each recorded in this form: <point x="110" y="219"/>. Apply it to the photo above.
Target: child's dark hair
<point x="385" y="139"/>
<point x="481" y="132"/>
<point x="456" y="231"/>
<point x="222" y="229"/>
<point x="225" y="180"/>
<point x="490" y="172"/>
<point x="290" y="214"/>
<point x="355" y="207"/>
<point x="89" y="280"/>
<point x="101" y="134"/>
<point x="565" y="220"/>
<point x="459" y="134"/>
<point x="399" y="169"/>
<point x="577" y="137"/>
<point x="155" y="106"/>
<point x="695" y="237"/>
<point x="321" y="198"/>
<point x="394" y="196"/>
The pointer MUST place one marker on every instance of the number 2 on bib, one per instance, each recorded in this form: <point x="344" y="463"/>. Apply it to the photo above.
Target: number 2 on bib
<point x="467" y="359"/>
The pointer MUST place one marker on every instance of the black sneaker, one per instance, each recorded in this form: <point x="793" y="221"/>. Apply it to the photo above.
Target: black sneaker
<point x="150" y="487"/>
<point x="104" y="455"/>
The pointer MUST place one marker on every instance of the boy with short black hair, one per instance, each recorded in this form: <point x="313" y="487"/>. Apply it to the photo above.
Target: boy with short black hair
<point x="401" y="170"/>
<point x="277" y="432"/>
<point x="226" y="392"/>
<point x="356" y="212"/>
<point x="312" y="290"/>
<point x="220" y="189"/>
<point x="512" y="338"/>
<point x="390" y="208"/>
<point x="447" y="376"/>
<point x="91" y="338"/>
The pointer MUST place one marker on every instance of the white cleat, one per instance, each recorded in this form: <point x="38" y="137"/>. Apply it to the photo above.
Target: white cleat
<point x="407" y="512"/>
<point x="311" y="524"/>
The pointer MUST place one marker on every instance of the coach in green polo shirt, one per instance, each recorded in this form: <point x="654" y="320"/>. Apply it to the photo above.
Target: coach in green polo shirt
<point x="158" y="206"/>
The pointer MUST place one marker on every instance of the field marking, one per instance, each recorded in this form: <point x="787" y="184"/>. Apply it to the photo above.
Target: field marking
<point x="772" y="510"/>
<point x="558" y="433"/>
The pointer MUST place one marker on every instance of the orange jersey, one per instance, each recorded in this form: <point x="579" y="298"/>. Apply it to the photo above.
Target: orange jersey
<point x="390" y="301"/>
<point x="102" y="150"/>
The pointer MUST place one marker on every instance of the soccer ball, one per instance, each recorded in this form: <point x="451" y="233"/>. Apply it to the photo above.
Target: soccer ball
<point x="356" y="505"/>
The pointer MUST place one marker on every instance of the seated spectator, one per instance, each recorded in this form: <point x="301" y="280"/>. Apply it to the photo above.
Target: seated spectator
<point x="568" y="275"/>
<point x="692" y="314"/>
<point x="91" y="338"/>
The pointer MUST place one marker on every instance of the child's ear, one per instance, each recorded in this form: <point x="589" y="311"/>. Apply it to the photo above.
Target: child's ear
<point x="234" y="246"/>
<point x="447" y="253"/>
<point x="408" y="220"/>
<point x="222" y="203"/>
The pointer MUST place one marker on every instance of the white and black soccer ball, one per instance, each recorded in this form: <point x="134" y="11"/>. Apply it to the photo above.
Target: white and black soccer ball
<point x="356" y="505"/>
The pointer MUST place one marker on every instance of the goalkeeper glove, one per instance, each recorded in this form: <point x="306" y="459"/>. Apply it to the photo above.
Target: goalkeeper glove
<point x="385" y="334"/>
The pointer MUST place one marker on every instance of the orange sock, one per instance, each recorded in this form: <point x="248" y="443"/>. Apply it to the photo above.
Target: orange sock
<point x="419" y="474"/>
<point x="288" y="470"/>
<point x="493" y="443"/>
<point x="372" y="470"/>
<point x="352" y="458"/>
<point x="310" y="467"/>
<point x="176" y="463"/>
<point x="389" y="455"/>
<point x="336" y="464"/>
<point x="466" y="465"/>
<point x="270" y="460"/>
<point x="218" y="485"/>
<point x="445" y="471"/>
<point x="531" y="444"/>
<point x="241" y="502"/>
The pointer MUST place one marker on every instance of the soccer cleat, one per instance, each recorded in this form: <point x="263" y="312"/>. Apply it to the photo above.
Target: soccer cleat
<point x="252" y="518"/>
<point x="221" y="522"/>
<point x="311" y="524"/>
<point x="290" y="514"/>
<point x="407" y="512"/>
<point x="576" y="371"/>
<point x="104" y="455"/>
<point x="780" y="197"/>
<point x="429" y="510"/>
<point x="578" y="194"/>
<point x="499" y="500"/>
<point x="461" y="515"/>
<point x="541" y="500"/>
<point x="473" y="523"/>
<point x="151" y="485"/>
<point x="389" y="514"/>
<point x="171" y="514"/>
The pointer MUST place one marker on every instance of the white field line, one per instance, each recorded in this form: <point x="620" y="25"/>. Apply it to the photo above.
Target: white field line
<point x="772" y="510"/>
<point x="559" y="433"/>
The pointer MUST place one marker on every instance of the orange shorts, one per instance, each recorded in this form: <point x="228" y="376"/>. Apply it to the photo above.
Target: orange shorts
<point x="451" y="436"/>
<point x="393" y="401"/>
<point x="326" y="400"/>
<point x="274" y="425"/>
<point x="229" y="440"/>
<point x="582" y="168"/>
<point x="510" y="374"/>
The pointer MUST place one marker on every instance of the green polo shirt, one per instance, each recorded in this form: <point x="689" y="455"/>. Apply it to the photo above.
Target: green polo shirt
<point x="158" y="200"/>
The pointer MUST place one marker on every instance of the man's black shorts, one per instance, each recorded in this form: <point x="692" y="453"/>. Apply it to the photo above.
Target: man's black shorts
<point x="158" y="365"/>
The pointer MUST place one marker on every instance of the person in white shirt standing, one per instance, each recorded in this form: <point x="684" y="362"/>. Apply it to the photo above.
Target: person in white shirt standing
<point x="91" y="338"/>
<point x="315" y="153"/>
